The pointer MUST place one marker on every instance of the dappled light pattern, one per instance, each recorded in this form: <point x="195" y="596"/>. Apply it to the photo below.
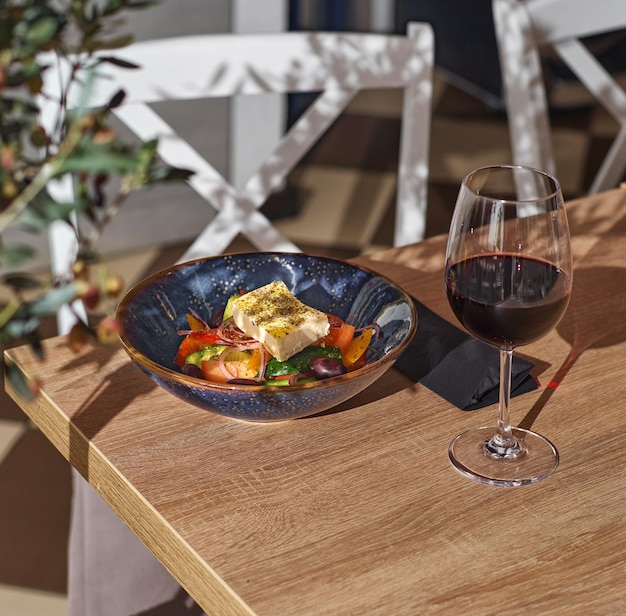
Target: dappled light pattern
<point x="523" y="27"/>
<point x="334" y="65"/>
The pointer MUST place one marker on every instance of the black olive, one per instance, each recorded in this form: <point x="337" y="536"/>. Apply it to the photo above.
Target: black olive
<point x="326" y="367"/>
<point x="192" y="370"/>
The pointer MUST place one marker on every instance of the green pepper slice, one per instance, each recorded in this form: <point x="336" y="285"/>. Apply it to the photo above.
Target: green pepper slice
<point x="300" y="361"/>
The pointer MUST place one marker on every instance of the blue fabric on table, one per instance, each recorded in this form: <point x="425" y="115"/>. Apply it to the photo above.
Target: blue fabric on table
<point x="458" y="367"/>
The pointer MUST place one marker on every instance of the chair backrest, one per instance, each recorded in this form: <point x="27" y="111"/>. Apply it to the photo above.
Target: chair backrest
<point x="337" y="65"/>
<point x="522" y="28"/>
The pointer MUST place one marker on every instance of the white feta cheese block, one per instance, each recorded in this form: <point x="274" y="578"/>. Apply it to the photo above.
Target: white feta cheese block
<point x="279" y="320"/>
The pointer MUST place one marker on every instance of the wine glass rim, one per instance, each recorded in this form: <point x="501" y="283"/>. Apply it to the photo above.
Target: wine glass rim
<point x="545" y="174"/>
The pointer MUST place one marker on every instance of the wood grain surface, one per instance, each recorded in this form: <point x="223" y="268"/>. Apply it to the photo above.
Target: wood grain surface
<point x="358" y="511"/>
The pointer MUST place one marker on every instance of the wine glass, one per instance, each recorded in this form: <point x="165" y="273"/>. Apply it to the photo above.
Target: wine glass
<point x="508" y="280"/>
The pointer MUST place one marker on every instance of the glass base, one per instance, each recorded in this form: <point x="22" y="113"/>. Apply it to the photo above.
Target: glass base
<point x="474" y="455"/>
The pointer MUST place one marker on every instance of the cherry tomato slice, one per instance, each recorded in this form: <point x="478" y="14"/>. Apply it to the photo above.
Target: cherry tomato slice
<point x="340" y="334"/>
<point x="195" y="341"/>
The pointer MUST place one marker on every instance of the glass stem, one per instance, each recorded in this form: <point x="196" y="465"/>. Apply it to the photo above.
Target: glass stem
<point x="503" y="437"/>
<point x="503" y="445"/>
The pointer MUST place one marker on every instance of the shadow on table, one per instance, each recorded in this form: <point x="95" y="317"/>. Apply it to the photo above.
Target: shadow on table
<point x="594" y="320"/>
<point x="180" y="605"/>
<point x="390" y="383"/>
<point x="96" y="358"/>
<point x="112" y="396"/>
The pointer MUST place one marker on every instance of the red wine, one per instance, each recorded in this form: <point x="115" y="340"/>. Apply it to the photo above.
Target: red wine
<point x="505" y="299"/>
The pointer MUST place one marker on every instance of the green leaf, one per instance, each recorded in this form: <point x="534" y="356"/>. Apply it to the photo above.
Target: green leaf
<point x="97" y="160"/>
<point x="30" y="69"/>
<point x="18" y="328"/>
<point x="18" y="380"/>
<point x="44" y="210"/>
<point x="114" y="43"/>
<point x="168" y="174"/>
<point x="112" y="6"/>
<point x="117" y="62"/>
<point x="12" y="256"/>
<point x="21" y="282"/>
<point x="140" y="4"/>
<point x="53" y="300"/>
<point x="42" y="31"/>
<point x="18" y="105"/>
<point x="115" y="5"/>
<point x="116" y="100"/>
<point x="93" y="13"/>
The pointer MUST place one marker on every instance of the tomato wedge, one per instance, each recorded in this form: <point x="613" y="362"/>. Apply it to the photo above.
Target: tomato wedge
<point x="195" y="341"/>
<point x="340" y="334"/>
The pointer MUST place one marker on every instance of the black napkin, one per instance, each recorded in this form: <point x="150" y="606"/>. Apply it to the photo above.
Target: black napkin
<point x="456" y="366"/>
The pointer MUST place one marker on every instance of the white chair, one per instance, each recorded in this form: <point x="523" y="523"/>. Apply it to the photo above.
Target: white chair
<point x="337" y="65"/>
<point x="522" y="28"/>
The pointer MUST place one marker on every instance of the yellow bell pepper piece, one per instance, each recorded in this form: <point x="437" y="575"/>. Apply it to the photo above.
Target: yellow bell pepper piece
<point x="357" y="347"/>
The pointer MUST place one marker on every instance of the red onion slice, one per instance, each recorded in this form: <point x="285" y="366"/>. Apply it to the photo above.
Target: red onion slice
<point x="226" y="371"/>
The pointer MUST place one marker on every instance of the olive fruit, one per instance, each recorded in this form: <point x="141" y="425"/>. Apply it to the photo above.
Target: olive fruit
<point x="192" y="370"/>
<point x="326" y="367"/>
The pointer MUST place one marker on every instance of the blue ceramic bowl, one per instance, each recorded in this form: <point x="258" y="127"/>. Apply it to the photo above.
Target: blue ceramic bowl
<point x="151" y="313"/>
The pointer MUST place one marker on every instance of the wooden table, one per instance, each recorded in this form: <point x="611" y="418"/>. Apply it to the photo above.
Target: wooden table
<point x="360" y="511"/>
